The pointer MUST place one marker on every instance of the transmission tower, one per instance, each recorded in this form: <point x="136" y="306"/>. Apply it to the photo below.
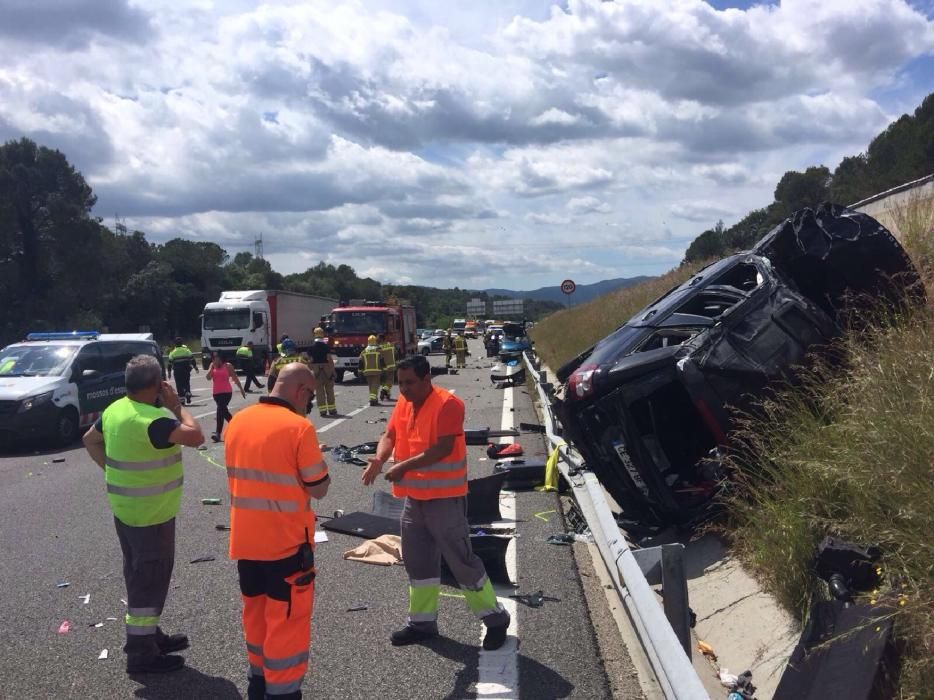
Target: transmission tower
<point x="258" y="247"/>
<point x="119" y="225"/>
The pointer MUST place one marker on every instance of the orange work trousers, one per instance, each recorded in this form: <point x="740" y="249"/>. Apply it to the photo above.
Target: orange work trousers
<point x="278" y="599"/>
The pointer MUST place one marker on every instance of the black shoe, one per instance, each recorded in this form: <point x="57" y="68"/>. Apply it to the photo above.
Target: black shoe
<point x="411" y="635"/>
<point x="495" y="637"/>
<point x="374" y="402"/>
<point x="215" y="437"/>
<point x="333" y="413"/>
<point x="172" y="642"/>
<point x="147" y="663"/>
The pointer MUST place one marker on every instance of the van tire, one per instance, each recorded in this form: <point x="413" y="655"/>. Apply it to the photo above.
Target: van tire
<point x="66" y="427"/>
<point x="426" y="351"/>
<point x="205" y="363"/>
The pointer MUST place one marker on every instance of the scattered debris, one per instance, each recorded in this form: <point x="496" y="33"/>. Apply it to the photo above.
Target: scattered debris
<point x="63" y="584"/>
<point x="102" y="655"/>
<point x="64" y="627"/>
<point x="561" y="538"/>
<point x="534" y="600"/>
<point x="96" y="624"/>
<point x="707" y="650"/>
<point x="123" y="600"/>
<point x="352" y="455"/>
<point x="512" y="449"/>
<point x="320" y="536"/>
<point x="86" y="598"/>
<point x="384" y="550"/>
<point x="202" y="559"/>
<point x="532" y="427"/>
<point x="210" y="501"/>
<point x="202" y="448"/>
<point x="358" y="608"/>
<point x="541" y="516"/>
<point x="222" y="527"/>
<point x="58" y="460"/>
<point x="111" y="619"/>
<point x="378" y="420"/>
<point x="727" y="679"/>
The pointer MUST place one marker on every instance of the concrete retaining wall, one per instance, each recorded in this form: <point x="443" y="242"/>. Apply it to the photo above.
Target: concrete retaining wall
<point x="883" y="206"/>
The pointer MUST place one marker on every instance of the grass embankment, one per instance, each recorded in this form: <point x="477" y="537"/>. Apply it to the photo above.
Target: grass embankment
<point x="848" y="453"/>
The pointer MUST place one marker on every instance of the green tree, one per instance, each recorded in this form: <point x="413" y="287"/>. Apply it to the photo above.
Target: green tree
<point x="798" y="190"/>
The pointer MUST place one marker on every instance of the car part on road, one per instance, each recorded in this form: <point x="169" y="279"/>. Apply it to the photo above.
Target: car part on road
<point x="210" y="501"/>
<point x="648" y="403"/>
<point x="521" y="474"/>
<point x="200" y="560"/>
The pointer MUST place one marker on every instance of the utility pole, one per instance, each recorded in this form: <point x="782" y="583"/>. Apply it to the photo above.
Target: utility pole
<point x="258" y="248"/>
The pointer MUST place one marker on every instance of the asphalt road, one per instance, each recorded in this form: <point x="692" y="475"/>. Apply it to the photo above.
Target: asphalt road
<point x="55" y="526"/>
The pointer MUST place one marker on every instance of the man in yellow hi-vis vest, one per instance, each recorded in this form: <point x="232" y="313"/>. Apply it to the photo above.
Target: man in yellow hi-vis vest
<point x="371" y="367"/>
<point x="136" y="443"/>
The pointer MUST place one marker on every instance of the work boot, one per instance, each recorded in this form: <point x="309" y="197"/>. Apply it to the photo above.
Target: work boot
<point x="151" y="663"/>
<point x="411" y="635"/>
<point x="495" y="636"/>
<point x="188" y="397"/>
<point x="168" y="643"/>
<point x="374" y="402"/>
<point x="333" y="413"/>
<point x="215" y="437"/>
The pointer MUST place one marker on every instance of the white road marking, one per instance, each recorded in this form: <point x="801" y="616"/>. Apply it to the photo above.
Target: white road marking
<point x="498" y="675"/>
<point x="341" y="419"/>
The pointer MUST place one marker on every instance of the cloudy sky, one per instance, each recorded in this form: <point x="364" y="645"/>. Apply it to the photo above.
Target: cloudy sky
<point x="507" y="143"/>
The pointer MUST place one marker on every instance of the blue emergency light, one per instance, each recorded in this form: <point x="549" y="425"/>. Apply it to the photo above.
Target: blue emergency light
<point x="64" y="335"/>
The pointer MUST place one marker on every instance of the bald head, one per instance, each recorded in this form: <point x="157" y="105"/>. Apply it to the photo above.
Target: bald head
<point x="296" y="385"/>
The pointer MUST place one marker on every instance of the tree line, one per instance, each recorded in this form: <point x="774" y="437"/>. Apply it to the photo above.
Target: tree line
<point x="900" y="154"/>
<point x="62" y="268"/>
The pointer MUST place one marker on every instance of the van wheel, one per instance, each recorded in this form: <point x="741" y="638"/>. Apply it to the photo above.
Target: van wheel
<point x="339" y="376"/>
<point x="205" y="363"/>
<point x="425" y="352"/>
<point x="66" y="429"/>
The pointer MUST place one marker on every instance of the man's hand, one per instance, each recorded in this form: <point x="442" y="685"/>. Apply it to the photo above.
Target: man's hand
<point x="170" y="398"/>
<point x="396" y="472"/>
<point x="373" y="469"/>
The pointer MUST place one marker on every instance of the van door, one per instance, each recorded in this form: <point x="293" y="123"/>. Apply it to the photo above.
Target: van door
<point x="87" y="374"/>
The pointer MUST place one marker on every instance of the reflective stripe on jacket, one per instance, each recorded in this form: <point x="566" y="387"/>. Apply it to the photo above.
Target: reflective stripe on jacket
<point x="415" y="433"/>
<point x="388" y="352"/>
<point x="459" y="343"/>
<point x="370" y="360"/>
<point x="144" y="484"/>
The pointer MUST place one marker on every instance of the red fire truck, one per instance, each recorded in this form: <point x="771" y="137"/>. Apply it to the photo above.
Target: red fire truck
<point x="351" y="325"/>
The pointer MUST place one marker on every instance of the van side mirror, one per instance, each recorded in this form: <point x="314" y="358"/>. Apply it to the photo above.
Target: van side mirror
<point x="89" y="373"/>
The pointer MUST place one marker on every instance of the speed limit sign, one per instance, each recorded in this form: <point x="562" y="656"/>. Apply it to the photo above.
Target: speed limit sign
<point x="568" y="286"/>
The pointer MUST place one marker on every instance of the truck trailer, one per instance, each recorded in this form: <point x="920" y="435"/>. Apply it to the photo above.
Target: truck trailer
<point x="262" y="316"/>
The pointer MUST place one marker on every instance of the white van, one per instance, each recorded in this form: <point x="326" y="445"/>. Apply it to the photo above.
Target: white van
<point x="54" y="384"/>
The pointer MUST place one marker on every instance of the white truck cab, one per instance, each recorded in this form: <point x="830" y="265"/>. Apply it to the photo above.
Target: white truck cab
<point x="54" y="384"/>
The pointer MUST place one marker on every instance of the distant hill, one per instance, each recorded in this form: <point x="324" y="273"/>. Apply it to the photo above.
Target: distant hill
<point x="585" y="292"/>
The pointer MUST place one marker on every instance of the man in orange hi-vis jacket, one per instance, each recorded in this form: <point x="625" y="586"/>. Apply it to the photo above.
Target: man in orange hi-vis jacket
<point x="426" y="436"/>
<point x="274" y="468"/>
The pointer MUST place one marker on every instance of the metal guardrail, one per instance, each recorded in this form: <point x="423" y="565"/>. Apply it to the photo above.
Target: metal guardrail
<point x="672" y="666"/>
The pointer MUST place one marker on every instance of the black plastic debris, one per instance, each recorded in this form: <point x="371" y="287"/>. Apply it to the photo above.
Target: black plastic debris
<point x="354" y="455"/>
<point x="58" y="460"/>
<point x="358" y="608"/>
<point x="199" y="560"/>
<point x="534" y="600"/>
<point x="222" y="527"/>
<point x="561" y="538"/>
<point x="532" y="427"/>
<point x="63" y="584"/>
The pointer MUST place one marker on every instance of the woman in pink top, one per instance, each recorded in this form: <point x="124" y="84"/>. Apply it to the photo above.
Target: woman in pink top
<point x="220" y="373"/>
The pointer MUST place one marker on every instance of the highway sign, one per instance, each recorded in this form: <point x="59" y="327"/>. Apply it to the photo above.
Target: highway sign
<point x="568" y="286"/>
<point x="507" y="307"/>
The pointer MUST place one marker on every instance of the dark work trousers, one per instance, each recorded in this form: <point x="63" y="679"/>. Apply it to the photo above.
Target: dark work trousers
<point x="246" y="364"/>
<point x="183" y="382"/>
<point x="148" y="558"/>
<point x="278" y="600"/>
<point x="222" y="401"/>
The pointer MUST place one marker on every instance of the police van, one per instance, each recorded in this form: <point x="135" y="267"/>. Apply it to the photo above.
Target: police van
<point x="55" y="384"/>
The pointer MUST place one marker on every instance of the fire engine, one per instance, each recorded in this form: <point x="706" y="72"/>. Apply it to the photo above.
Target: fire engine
<point x="351" y="325"/>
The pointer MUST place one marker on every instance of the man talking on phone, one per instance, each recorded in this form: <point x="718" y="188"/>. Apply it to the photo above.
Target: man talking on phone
<point x="137" y="443"/>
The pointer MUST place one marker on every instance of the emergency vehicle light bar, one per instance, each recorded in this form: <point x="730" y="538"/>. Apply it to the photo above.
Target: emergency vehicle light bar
<point x="64" y="335"/>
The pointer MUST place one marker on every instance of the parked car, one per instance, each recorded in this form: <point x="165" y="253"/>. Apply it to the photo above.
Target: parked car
<point x="431" y="345"/>
<point x="648" y="404"/>
<point x="55" y="384"/>
<point x="514" y="341"/>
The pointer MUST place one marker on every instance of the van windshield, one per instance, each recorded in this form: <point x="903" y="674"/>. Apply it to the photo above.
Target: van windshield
<point x="35" y="360"/>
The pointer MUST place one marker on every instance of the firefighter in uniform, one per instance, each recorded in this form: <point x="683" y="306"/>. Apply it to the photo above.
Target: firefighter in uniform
<point x="288" y="354"/>
<point x="274" y="468"/>
<point x="460" y="349"/>
<point x="371" y="365"/>
<point x="181" y="361"/>
<point x="426" y="436"/>
<point x="322" y="364"/>
<point x="447" y="344"/>
<point x="388" y="376"/>
<point x="136" y="443"/>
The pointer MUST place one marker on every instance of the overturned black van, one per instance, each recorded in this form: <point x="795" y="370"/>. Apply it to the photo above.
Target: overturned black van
<point x="647" y="404"/>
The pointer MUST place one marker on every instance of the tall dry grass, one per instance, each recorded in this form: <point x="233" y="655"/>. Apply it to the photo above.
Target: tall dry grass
<point x="565" y="334"/>
<point x="851" y="453"/>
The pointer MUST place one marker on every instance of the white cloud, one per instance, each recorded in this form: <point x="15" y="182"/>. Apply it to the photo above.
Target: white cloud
<point x="392" y="135"/>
